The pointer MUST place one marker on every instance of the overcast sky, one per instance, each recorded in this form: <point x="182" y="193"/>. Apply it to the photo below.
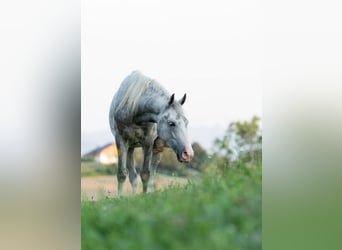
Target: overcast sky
<point x="211" y="50"/>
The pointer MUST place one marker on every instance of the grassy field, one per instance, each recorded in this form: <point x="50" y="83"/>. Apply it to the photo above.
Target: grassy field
<point x="218" y="212"/>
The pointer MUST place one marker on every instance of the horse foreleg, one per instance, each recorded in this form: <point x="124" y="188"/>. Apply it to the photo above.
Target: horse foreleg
<point x="156" y="156"/>
<point x="146" y="169"/>
<point x="131" y="170"/>
<point x="158" y="147"/>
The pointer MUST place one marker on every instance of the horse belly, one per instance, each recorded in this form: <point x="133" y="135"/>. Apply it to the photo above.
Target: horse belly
<point x="136" y="135"/>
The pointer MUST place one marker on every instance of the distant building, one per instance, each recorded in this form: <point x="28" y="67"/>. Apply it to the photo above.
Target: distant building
<point x="107" y="154"/>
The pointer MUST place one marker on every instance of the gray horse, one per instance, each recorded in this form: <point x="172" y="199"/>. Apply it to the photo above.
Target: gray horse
<point x="143" y="114"/>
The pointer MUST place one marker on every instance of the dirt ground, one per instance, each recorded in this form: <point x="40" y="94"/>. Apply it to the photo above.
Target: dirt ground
<point x="95" y="187"/>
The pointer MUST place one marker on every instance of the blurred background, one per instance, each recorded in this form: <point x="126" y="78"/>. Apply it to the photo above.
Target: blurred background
<point x="182" y="53"/>
<point x="213" y="52"/>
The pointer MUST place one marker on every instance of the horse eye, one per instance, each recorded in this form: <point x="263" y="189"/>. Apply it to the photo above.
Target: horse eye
<point x="172" y="124"/>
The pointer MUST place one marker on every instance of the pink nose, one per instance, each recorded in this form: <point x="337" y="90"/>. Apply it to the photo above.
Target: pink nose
<point x="187" y="155"/>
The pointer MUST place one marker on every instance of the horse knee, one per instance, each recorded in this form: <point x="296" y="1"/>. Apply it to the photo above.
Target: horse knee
<point x="121" y="176"/>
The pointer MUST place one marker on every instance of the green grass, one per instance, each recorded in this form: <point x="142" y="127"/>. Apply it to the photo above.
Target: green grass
<point x="218" y="212"/>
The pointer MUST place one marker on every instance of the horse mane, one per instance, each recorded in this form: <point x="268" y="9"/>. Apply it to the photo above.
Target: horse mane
<point x="137" y="85"/>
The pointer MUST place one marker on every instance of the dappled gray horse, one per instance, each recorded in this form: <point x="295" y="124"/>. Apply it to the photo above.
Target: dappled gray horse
<point x="143" y="114"/>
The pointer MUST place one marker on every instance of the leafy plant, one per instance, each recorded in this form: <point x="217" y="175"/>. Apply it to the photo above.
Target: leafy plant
<point x="218" y="212"/>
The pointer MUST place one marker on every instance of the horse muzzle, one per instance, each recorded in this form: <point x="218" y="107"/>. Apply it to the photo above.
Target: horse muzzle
<point x="186" y="155"/>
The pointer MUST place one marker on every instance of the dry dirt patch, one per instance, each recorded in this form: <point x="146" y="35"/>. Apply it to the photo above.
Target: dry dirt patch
<point x="95" y="187"/>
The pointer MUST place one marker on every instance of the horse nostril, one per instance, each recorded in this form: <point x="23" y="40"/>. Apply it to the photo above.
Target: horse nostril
<point x="185" y="155"/>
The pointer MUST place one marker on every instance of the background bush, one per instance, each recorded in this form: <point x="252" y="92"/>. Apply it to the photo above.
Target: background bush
<point x="93" y="168"/>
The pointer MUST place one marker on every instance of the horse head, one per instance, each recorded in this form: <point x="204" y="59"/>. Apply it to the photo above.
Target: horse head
<point x="172" y="128"/>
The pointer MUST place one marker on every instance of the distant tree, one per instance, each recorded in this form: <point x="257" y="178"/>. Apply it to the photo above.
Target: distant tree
<point x="250" y="138"/>
<point x="248" y="130"/>
<point x="169" y="162"/>
<point x="200" y="157"/>
<point x="227" y="147"/>
<point x="241" y="141"/>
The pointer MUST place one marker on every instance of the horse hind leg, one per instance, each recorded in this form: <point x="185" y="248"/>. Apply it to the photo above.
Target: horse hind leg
<point x="145" y="172"/>
<point x="122" y="160"/>
<point x="131" y="170"/>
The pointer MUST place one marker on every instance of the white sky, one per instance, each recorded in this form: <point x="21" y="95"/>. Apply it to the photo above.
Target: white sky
<point x="211" y="50"/>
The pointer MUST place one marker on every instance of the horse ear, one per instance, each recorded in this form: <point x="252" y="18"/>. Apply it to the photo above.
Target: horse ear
<point x="172" y="98"/>
<point x="181" y="101"/>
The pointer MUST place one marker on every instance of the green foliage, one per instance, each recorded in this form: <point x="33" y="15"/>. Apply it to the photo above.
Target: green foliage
<point x="87" y="158"/>
<point x="200" y="158"/>
<point x="170" y="165"/>
<point x="92" y="168"/>
<point x="248" y="130"/>
<point x="240" y="144"/>
<point x="216" y="212"/>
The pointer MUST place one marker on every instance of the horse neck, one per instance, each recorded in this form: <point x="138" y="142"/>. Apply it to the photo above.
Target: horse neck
<point x="150" y="107"/>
